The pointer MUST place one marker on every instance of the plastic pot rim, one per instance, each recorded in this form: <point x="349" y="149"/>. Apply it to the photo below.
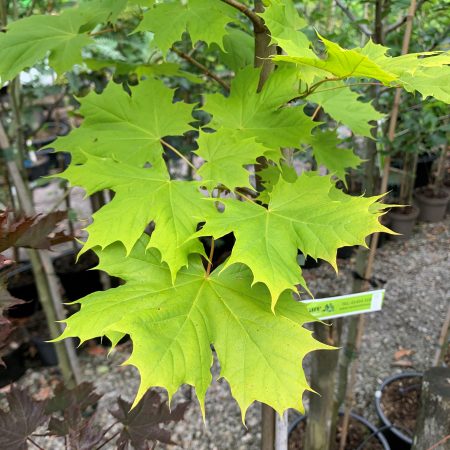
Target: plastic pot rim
<point x="378" y="436"/>
<point x="380" y="413"/>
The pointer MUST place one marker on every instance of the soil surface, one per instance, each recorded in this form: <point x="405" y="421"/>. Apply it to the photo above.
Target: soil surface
<point x="400" y="401"/>
<point x="431" y="193"/>
<point x="356" y="436"/>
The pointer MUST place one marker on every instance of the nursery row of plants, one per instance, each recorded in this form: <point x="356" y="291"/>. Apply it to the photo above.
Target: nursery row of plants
<point x="226" y="147"/>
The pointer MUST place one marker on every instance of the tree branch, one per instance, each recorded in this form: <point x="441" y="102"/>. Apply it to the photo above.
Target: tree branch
<point x="258" y="23"/>
<point x="363" y="28"/>
<point x="203" y="68"/>
<point x="403" y="19"/>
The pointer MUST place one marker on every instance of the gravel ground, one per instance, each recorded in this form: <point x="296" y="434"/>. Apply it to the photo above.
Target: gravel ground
<point x="417" y="297"/>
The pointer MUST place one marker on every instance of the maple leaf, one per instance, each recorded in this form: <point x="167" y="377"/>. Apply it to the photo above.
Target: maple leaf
<point x="127" y="128"/>
<point x="342" y="104"/>
<point x="327" y="153"/>
<point x="99" y="11"/>
<point x="408" y="63"/>
<point x="310" y="215"/>
<point x="426" y="72"/>
<point x="142" y="424"/>
<point x="28" y="40"/>
<point x="238" y="49"/>
<point x="429" y="81"/>
<point x="176" y="207"/>
<point x="30" y="232"/>
<point x="283" y="22"/>
<point x="342" y="63"/>
<point x="263" y="116"/>
<point x="74" y="419"/>
<point x="24" y="416"/>
<point x="168" y="21"/>
<point x="226" y="157"/>
<point x="173" y="325"/>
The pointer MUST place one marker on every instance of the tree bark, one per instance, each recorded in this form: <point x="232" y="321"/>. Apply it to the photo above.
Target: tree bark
<point x="433" y="423"/>
<point x="319" y="429"/>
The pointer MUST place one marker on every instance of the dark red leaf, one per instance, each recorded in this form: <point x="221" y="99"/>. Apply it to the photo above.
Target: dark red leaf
<point x="81" y="397"/>
<point x="24" y="416"/>
<point x="143" y="423"/>
<point x="29" y="232"/>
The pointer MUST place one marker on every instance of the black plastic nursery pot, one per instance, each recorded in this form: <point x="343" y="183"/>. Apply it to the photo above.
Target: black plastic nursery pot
<point x="37" y="169"/>
<point x="21" y="285"/>
<point x="398" y="387"/>
<point x="346" y="252"/>
<point x="403" y="220"/>
<point x="13" y="366"/>
<point x="308" y="262"/>
<point x="373" y="434"/>
<point x="76" y="277"/>
<point x="54" y="129"/>
<point x="424" y="169"/>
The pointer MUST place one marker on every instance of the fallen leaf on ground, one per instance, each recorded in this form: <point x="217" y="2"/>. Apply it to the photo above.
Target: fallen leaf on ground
<point x="402" y="352"/>
<point x="403" y="363"/>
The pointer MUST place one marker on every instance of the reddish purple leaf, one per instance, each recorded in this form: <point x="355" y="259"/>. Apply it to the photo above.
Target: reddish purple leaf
<point x="143" y="423"/>
<point x="24" y="416"/>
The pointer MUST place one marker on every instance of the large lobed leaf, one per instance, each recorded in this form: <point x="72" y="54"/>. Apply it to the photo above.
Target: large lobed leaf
<point x="142" y="424"/>
<point x="128" y="128"/>
<point x="226" y="156"/>
<point x="28" y="40"/>
<point x="342" y="63"/>
<point x="142" y="195"/>
<point x="173" y="325"/>
<point x="342" y="104"/>
<point x="22" y="419"/>
<point x="284" y="23"/>
<point x="311" y="215"/>
<point x="168" y="21"/>
<point x="336" y="160"/>
<point x="264" y="116"/>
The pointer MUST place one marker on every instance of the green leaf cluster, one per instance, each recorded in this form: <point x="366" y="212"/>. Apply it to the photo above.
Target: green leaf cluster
<point x="177" y="300"/>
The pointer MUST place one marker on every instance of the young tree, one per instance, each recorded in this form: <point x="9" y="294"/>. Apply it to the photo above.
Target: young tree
<point x="175" y="302"/>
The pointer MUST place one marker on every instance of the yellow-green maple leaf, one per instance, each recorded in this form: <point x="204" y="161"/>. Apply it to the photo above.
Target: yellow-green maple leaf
<point x="225" y="157"/>
<point x="127" y="128"/>
<point x="343" y="63"/>
<point x="168" y="21"/>
<point x="142" y="195"/>
<point x="311" y="215"/>
<point x="264" y="116"/>
<point x="173" y="325"/>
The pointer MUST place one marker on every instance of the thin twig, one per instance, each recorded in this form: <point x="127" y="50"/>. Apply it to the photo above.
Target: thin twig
<point x="109" y="440"/>
<point x="55" y="206"/>
<point x="177" y="152"/>
<point x="361" y="27"/>
<point x="442" y="344"/>
<point x="34" y="443"/>
<point x="313" y="87"/>
<point x="211" y="254"/>
<point x="106" y="432"/>
<point x="403" y="19"/>
<point x="442" y="441"/>
<point x="316" y="111"/>
<point x="352" y="85"/>
<point x="245" y="197"/>
<point x="203" y="68"/>
<point x="258" y="23"/>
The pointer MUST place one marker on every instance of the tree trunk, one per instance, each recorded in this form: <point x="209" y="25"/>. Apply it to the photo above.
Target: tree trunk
<point x="320" y="428"/>
<point x="433" y="423"/>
